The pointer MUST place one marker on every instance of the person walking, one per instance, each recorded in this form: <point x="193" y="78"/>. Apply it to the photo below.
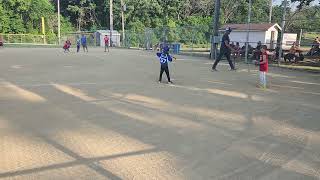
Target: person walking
<point x="225" y="50"/>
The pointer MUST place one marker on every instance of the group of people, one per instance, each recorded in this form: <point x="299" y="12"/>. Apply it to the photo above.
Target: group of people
<point x="315" y="48"/>
<point x="226" y="50"/>
<point x="295" y="54"/>
<point x="83" y="42"/>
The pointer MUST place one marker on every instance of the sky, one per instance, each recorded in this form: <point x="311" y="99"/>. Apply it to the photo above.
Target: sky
<point x="277" y="2"/>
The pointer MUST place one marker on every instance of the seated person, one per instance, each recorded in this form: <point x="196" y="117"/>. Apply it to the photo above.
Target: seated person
<point x="315" y="48"/>
<point x="294" y="54"/>
<point x="243" y="49"/>
<point x="237" y="51"/>
<point x="232" y="45"/>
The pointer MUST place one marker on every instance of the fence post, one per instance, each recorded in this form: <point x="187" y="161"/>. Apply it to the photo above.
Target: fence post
<point x="282" y="29"/>
<point x="192" y="41"/>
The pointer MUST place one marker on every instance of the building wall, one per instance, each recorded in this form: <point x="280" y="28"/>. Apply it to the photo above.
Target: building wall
<point x="241" y="37"/>
<point x="268" y="37"/>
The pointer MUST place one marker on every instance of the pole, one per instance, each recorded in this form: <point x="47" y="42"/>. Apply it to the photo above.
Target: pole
<point x="111" y="21"/>
<point x="248" y="29"/>
<point x="282" y="30"/>
<point x="122" y="19"/>
<point x="300" y="37"/>
<point x="270" y="12"/>
<point x="59" y="34"/>
<point x="214" y="44"/>
<point x="43" y="30"/>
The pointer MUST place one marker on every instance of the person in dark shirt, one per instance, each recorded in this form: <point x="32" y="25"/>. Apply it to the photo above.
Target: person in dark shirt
<point x="257" y="51"/>
<point x="165" y="58"/>
<point x="225" y="50"/>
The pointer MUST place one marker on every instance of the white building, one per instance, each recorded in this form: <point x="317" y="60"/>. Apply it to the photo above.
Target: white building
<point x="267" y="33"/>
<point x="100" y="34"/>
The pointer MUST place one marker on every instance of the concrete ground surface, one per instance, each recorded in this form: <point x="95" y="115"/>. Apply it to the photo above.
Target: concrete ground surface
<point x="103" y="115"/>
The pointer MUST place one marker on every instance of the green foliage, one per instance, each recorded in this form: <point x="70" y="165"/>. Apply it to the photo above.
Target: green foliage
<point x="185" y="21"/>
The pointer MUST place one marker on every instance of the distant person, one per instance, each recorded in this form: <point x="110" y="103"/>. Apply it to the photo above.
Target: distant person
<point x="257" y="51"/>
<point x="263" y="63"/>
<point x="84" y="43"/>
<point x="1" y="42"/>
<point x="67" y="46"/>
<point x="164" y="58"/>
<point x="236" y="54"/>
<point x="225" y="50"/>
<point x="315" y="48"/>
<point x="78" y="44"/>
<point x="106" y="43"/>
<point x="232" y="45"/>
<point x="294" y="54"/>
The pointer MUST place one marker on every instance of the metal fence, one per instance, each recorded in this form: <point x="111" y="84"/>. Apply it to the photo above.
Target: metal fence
<point x="191" y="38"/>
<point x="29" y="39"/>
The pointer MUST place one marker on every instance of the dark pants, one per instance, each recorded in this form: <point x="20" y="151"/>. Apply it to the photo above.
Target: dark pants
<point x="85" y="47"/>
<point x="164" y="67"/>
<point x="290" y="57"/>
<point x="225" y="53"/>
<point x="78" y="48"/>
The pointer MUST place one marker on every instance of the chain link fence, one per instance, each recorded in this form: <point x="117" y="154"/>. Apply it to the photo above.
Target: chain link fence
<point x="29" y="39"/>
<point x="190" y="38"/>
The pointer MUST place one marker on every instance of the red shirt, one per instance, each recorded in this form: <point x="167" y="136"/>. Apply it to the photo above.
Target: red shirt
<point x="106" y="40"/>
<point x="264" y="67"/>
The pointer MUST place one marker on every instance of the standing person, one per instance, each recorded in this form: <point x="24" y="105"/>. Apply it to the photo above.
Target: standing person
<point x="263" y="63"/>
<point x="78" y="44"/>
<point x="84" y="43"/>
<point x="1" y="42"/>
<point x="225" y="50"/>
<point x="257" y="51"/>
<point x="164" y="58"/>
<point x="106" y="43"/>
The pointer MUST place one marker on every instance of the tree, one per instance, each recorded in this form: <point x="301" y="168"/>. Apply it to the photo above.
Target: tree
<point x="303" y="3"/>
<point x="83" y="10"/>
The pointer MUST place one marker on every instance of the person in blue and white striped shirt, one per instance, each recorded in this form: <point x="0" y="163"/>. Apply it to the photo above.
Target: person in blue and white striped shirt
<point x="165" y="58"/>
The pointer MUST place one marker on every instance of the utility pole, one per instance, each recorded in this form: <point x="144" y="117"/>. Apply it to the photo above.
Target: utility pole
<point x="282" y="30"/>
<point x="270" y="11"/>
<point x="123" y="9"/>
<point x="300" y="37"/>
<point x="248" y="29"/>
<point x="111" y="21"/>
<point x="59" y="35"/>
<point x="215" y="40"/>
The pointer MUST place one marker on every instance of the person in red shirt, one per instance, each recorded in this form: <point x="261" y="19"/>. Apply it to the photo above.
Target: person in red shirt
<point x="106" y="43"/>
<point x="263" y="63"/>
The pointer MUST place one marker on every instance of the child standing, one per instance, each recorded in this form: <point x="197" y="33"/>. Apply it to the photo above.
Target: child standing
<point x="164" y="58"/>
<point x="106" y="43"/>
<point x="84" y="43"/>
<point x="78" y="45"/>
<point x="263" y="63"/>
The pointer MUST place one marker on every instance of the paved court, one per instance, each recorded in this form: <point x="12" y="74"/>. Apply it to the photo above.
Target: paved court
<point x="104" y="116"/>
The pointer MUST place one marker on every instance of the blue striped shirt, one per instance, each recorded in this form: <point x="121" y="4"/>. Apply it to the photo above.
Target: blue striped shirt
<point x="164" y="58"/>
